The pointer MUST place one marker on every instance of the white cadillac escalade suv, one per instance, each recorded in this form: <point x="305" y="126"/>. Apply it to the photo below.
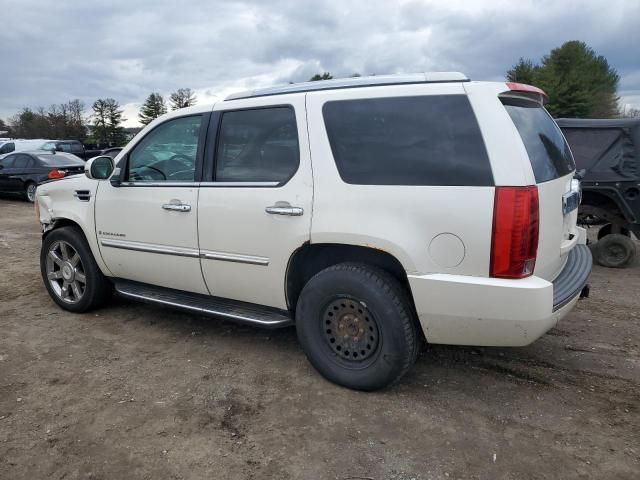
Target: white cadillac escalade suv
<point x="367" y="211"/>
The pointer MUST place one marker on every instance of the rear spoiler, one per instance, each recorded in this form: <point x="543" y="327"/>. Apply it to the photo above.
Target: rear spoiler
<point x="524" y="90"/>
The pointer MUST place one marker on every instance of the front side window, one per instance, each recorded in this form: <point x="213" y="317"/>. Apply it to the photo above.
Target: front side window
<point x="168" y="153"/>
<point x="259" y="145"/>
<point x="76" y="148"/>
<point x="65" y="147"/>
<point x="426" y="140"/>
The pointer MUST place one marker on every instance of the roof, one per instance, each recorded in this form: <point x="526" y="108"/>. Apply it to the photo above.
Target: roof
<point x="598" y="122"/>
<point x="354" y="82"/>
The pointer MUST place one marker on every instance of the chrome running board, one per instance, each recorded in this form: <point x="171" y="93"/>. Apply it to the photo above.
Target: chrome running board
<point x="236" y="311"/>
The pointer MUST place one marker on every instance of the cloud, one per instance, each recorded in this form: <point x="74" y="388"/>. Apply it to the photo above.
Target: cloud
<point x="61" y="50"/>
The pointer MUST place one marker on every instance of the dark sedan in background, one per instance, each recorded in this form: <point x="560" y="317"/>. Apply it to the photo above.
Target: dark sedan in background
<point x="21" y="173"/>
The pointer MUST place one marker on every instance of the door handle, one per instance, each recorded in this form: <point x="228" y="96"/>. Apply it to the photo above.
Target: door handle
<point x="177" y="207"/>
<point x="284" y="210"/>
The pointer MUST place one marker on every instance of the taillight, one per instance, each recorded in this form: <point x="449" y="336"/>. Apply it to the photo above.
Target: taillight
<point x="54" y="174"/>
<point x="514" y="242"/>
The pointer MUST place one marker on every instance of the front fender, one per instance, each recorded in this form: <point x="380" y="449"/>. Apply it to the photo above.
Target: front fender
<point x="58" y="205"/>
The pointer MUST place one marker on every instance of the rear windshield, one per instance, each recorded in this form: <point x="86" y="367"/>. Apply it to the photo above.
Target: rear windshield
<point x="59" y="160"/>
<point x="426" y="140"/>
<point x="548" y="151"/>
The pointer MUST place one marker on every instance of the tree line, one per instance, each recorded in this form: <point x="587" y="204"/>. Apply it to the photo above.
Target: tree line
<point x="579" y="82"/>
<point x="102" y="126"/>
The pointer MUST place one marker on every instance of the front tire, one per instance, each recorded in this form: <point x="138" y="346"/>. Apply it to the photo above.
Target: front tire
<point x="70" y="273"/>
<point x="357" y="326"/>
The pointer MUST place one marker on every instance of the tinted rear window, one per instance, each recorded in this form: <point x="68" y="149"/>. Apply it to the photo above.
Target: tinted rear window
<point x="59" y="160"/>
<point x="426" y="140"/>
<point x="548" y="151"/>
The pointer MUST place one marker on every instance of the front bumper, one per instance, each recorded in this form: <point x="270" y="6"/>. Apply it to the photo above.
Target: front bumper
<point x="464" y="310"/>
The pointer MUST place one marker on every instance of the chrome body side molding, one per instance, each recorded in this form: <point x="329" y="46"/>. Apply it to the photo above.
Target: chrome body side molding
<point x="184" y="252"/>
<point x="150" y="248"/>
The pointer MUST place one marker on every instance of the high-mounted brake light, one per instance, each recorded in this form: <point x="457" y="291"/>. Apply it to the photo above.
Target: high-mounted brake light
<point x="55" y="174"/>
<point x="524" y="88"/>
<point x="514" y="242"/>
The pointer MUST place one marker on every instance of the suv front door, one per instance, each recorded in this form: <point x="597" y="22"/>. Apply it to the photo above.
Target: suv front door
<point x="255" y="205"/>
<point x="147" y="225"/>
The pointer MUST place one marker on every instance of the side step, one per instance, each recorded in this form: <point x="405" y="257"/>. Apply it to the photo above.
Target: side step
<point x="242" y="312"/>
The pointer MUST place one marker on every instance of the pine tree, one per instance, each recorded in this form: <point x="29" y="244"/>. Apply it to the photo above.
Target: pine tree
<point x="579" y="82"/>
<point x="523" y="72"/>
<point x="107" y="122"/>
<point x="152" y="108"/>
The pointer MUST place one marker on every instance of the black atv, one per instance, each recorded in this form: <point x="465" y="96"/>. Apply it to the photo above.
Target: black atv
<point x="607" y="155"/>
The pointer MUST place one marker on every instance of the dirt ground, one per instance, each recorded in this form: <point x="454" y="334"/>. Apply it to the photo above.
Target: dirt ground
<point x="134" y="391"/>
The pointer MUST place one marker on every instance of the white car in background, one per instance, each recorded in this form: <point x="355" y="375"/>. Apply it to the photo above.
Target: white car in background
<point x="367" y="211"/>
<point x="9" y="146"/>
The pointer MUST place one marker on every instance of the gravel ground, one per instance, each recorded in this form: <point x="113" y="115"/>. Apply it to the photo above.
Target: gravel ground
<point x="135" y="391"/>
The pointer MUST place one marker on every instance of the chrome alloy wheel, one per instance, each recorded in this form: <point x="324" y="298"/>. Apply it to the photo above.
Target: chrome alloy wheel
<point x="65" y="272"/>
<point x="31" y="192"/>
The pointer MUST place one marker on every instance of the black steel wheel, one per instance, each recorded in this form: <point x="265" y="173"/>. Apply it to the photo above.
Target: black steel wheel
<point x="351" y="330"/>
<point x="357" y="327"/>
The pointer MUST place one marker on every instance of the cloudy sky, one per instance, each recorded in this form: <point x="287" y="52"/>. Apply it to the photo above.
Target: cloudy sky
<point x="54" y="51"/>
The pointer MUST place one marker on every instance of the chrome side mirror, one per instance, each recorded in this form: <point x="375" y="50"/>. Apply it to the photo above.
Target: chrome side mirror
<point x="99" y="168"/>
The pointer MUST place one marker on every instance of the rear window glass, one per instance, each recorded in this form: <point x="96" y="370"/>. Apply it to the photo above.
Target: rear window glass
<point x="426" y="140"/>
<point x="548" y="151"/>
<point x="58" y="160"/>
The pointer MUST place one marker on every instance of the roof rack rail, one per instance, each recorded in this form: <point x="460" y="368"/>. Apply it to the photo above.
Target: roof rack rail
<point x="354" y="82"/>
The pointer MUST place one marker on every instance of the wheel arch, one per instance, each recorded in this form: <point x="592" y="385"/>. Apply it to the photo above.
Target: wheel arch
<point x="60" y="221"/>
<point x="605" y="203"/>
<point x="312" y="258"/>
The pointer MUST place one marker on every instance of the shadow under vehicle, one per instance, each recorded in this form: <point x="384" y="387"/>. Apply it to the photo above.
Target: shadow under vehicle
<point x="607" y="156"/>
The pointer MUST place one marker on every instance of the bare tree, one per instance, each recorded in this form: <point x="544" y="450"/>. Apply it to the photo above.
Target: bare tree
<point x="181" y="98"/>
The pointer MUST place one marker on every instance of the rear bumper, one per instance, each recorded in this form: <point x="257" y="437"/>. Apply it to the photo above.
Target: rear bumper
<point x="573" y="276"/>
<point x="464" y="310"/>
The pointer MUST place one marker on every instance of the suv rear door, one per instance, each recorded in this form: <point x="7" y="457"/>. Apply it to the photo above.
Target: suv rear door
<point x="254" y="208"/>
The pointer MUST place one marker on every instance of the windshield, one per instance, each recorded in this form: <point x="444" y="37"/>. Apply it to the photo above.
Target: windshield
<point x="548" y="151"/>
<point x="59" y="160"/>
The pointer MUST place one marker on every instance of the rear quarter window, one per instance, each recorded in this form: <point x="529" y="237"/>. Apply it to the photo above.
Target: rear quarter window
<point x="548" y="151"/>
<point x="425" y="140"/>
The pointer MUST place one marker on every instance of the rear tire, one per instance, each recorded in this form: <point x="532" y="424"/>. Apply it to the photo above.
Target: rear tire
<point x="615" y="250"/>
<point x="70" y="273"/>
<point x="30" y="192"/>
<point x="357" y="326"/>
